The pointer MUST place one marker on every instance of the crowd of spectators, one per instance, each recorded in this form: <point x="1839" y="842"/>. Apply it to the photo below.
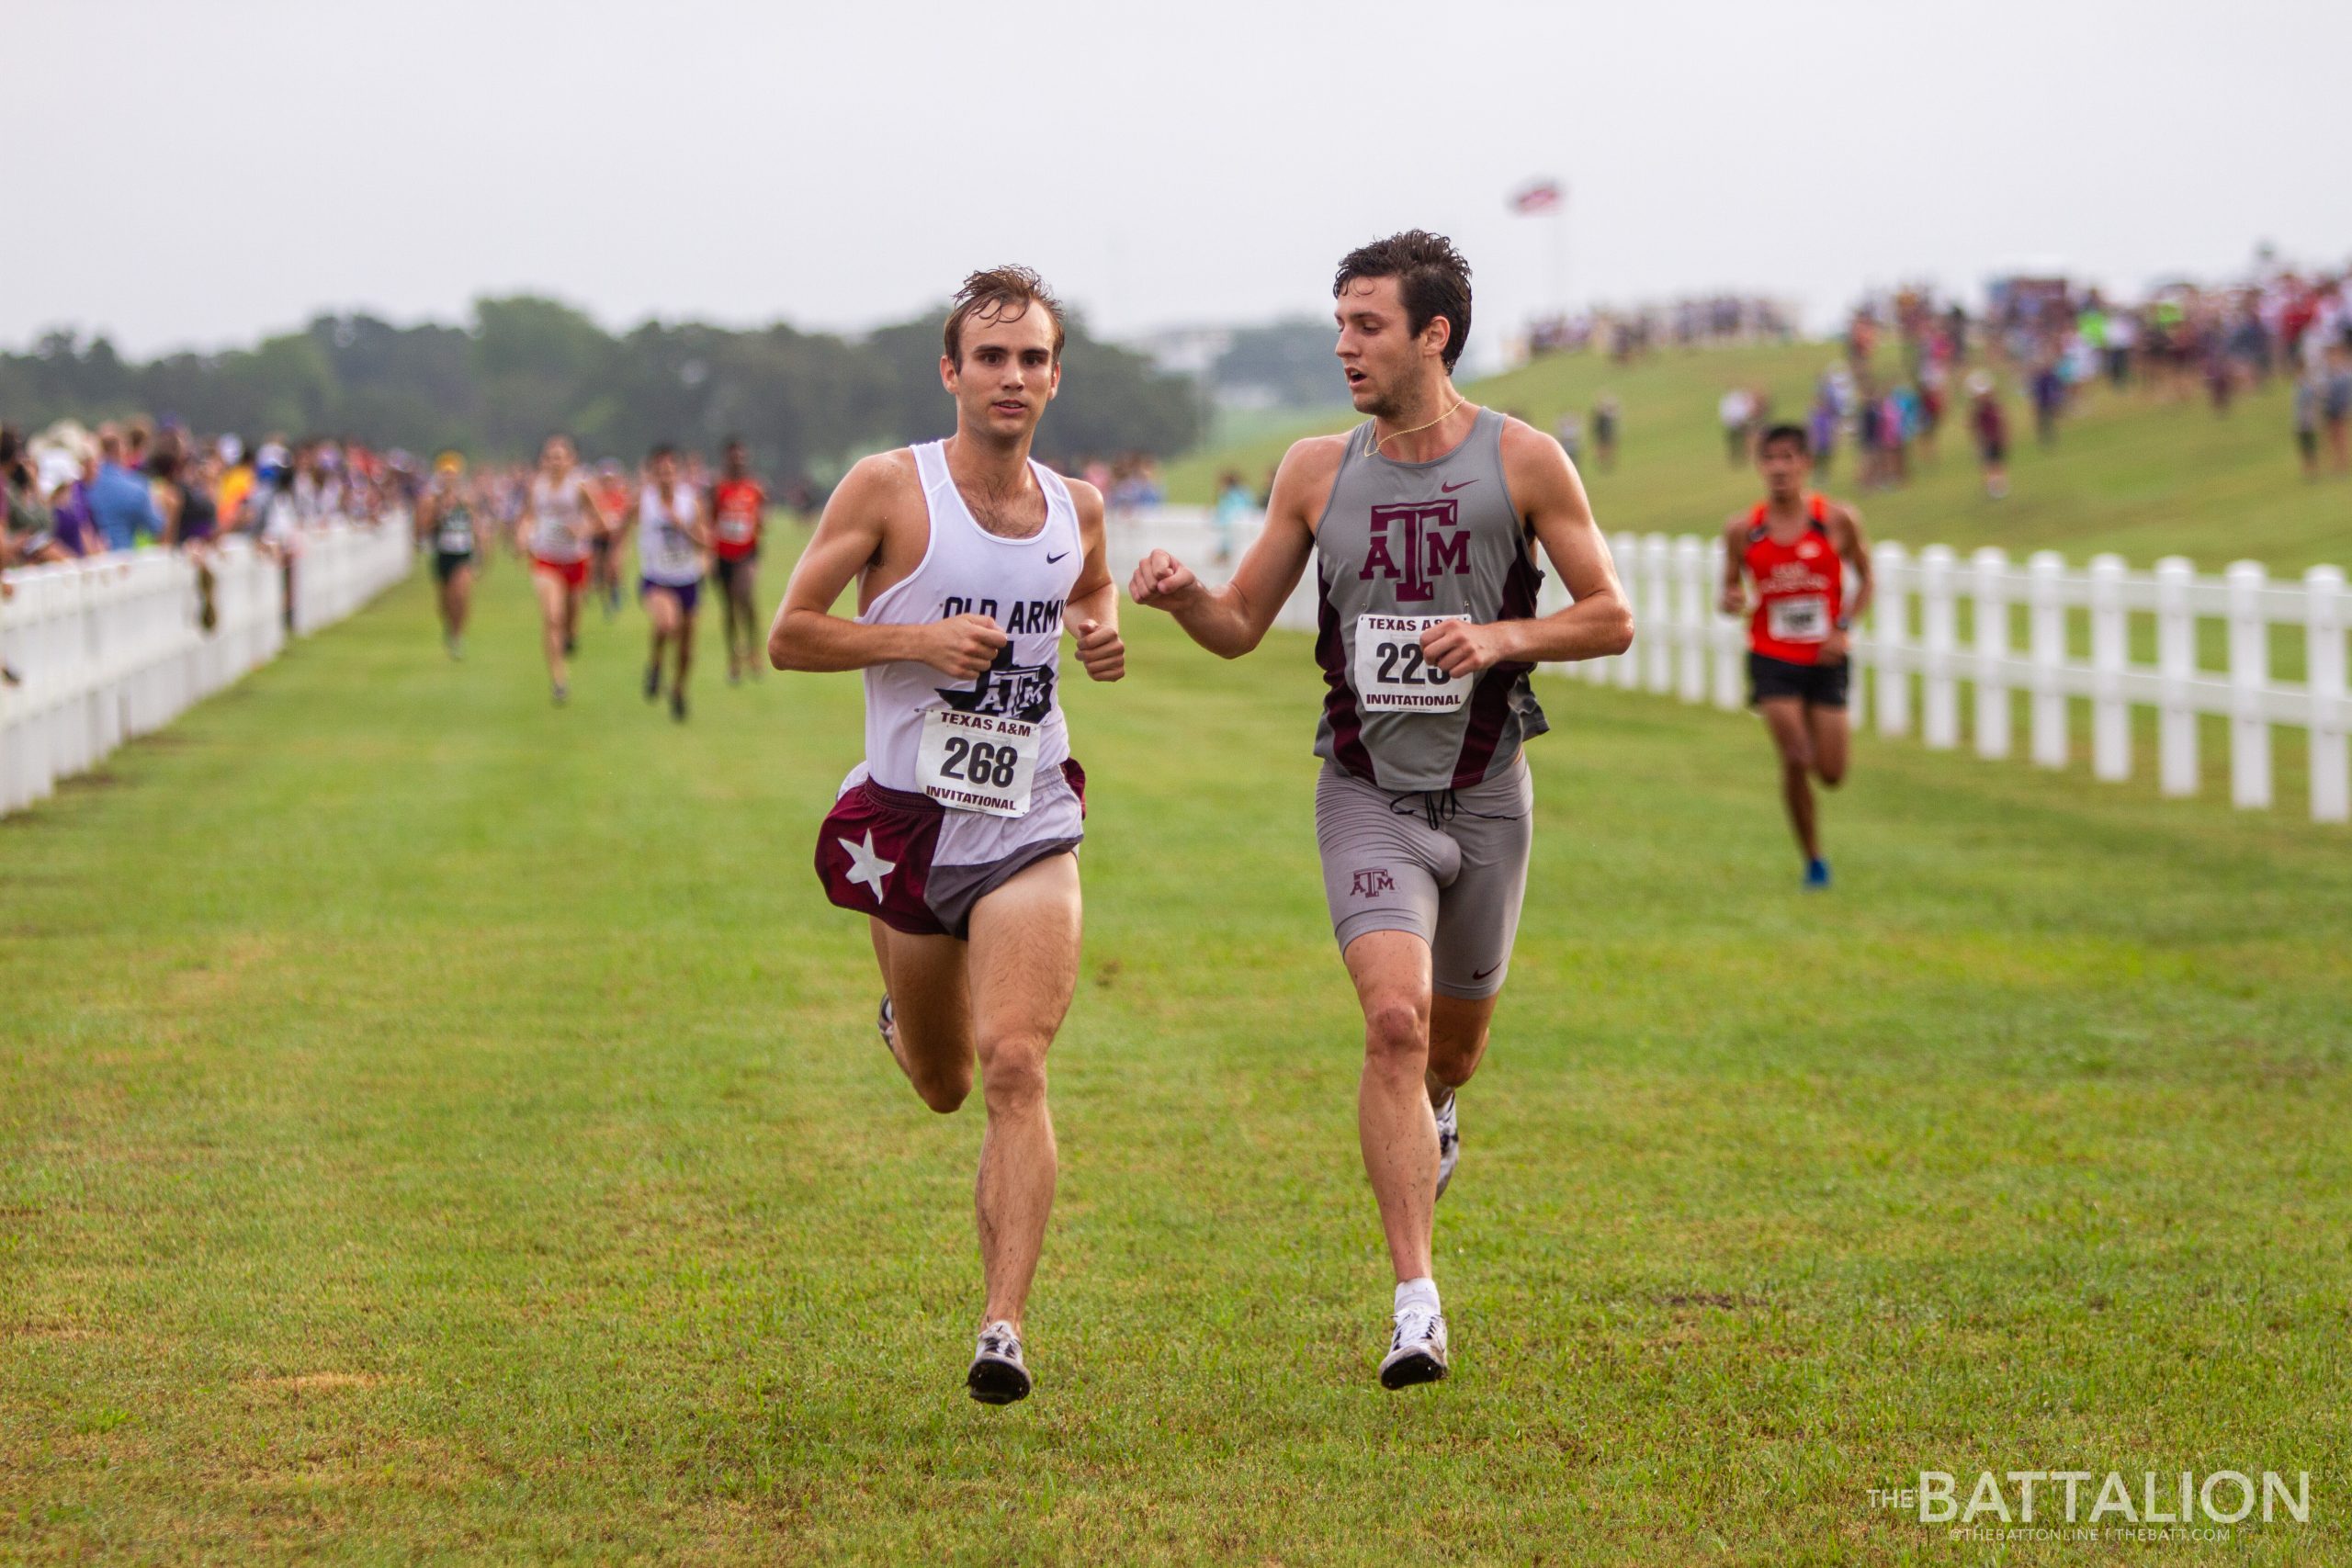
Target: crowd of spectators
<point x="73" y="491"/>
<point x="1627" y="334"/>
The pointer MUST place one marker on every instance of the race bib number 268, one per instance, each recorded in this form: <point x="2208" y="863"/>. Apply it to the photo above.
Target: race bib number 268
<point x="1391" y="674"/>
<point x="976" y="761"/>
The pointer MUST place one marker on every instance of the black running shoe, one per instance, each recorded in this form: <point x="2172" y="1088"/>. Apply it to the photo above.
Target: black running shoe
<point x="998" y="1376"/>
<point x="652" y="682"/>
<point x="678" y="705"/>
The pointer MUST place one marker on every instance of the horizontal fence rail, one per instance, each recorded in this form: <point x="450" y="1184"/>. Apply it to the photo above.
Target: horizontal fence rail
<point x="116" y="646"/>
<point x="2008" y="632"/>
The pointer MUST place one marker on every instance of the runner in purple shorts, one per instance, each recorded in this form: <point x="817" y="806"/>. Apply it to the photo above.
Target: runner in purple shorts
<point x="958" y="835"/>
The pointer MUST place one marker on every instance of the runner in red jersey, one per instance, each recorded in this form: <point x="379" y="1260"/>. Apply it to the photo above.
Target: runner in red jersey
<point x="1797" y="550"/>
<point x="739" y="505"/>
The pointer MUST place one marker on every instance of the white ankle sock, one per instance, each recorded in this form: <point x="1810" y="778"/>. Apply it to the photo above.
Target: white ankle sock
<point x="1420" y="1292"/>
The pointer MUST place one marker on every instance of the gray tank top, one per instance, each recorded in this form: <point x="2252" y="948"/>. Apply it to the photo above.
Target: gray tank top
<point x="1398" y="546"/>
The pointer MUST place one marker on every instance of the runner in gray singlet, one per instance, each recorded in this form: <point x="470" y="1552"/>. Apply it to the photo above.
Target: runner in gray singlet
<point x="1422" y="808"/>
<point x="1422" y="526"/>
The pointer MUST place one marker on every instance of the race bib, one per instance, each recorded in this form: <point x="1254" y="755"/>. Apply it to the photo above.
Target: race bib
<point x="976" y="761"/>
<point x="1801" y="617"/>
<point x="735" y="530"/>
<point x="456" y="542"/>
<point x="1391" y="674"/>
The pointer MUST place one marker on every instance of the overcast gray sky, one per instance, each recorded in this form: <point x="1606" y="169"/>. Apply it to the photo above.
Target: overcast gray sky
<point x="196" y="173"/>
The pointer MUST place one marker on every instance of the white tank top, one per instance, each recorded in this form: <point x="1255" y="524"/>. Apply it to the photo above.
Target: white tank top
<point x="556" y="507"/>
<point x="666" y="552"/>
<point x="1021" y="584"/>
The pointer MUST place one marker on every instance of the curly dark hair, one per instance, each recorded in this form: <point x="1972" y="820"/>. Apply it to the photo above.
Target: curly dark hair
<point x="1431" y="276"/>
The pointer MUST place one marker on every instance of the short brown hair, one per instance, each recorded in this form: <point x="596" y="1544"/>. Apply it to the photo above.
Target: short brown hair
<point x="1000" y="294"/>
<point x="1429" y="273"/>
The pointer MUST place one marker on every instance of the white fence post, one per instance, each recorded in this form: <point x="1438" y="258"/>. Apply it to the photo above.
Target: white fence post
<point x="1626" y="667"/>
<point x="2047" y="639"/>
<point x="1939" y="691"/>
<point x="2110" y="718"/>
<point x="1992" y="567"/>
<point x="1657" y="607"/>
<point x="2323" y="677"/>
<point x="1891" y="636"/>
<point x="2175" y="667"/>
<point x="2249" y="675"/>
<point x="1691" y="617"/>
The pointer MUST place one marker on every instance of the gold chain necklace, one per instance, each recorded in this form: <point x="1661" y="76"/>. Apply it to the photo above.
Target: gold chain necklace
<point x="1373" y="450"/>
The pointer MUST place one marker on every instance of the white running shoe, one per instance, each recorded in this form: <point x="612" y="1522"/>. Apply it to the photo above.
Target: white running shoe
<point x="1449" y="1143"/>
<point x="1415" y="1350"/>
<point x="998" y="1375"/>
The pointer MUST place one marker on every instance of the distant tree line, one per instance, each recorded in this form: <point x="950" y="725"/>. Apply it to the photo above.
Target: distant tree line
<point x="808" y="403"/>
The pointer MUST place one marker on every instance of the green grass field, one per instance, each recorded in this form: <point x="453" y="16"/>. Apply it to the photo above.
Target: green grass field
<point x="2134" y="472"/>
<point x="438" y="1128"/>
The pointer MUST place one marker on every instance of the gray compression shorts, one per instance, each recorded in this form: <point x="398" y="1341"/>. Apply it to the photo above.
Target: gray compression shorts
<point x="1451" y="868"/>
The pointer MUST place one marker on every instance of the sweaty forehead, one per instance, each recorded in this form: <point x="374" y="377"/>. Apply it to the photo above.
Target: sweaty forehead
<point x="1014" y="327"/>
<point x="1370" y="294"/>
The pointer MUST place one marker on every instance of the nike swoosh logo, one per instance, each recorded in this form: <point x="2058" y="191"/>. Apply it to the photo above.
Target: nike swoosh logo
<point x="1051" y="559"/>
<point x="1484" y="973"/>
<point x="1449" y="489"/>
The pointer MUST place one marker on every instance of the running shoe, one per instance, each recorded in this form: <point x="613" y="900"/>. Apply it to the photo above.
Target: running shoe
<point x="1416" y="1350"/>
<point x="652" y="682"/>
<point x="678" y="704"/>
<point x="1816" y="875"/>
<point x="562" y="694"/>
<point x="998" y="1375"/>
<point x="1449" y="1143"/>
<point x="570" y="646"/>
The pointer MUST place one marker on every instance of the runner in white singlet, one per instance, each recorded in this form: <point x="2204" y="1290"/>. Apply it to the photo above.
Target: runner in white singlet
<point x="560" y="516"/>
<point x="673" y="536"/>
<point x="958" y="834"/>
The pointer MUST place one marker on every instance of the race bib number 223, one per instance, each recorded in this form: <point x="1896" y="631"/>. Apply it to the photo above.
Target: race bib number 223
<point x="1391" y="674"/>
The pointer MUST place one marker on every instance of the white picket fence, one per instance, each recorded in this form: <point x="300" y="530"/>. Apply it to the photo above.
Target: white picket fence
<point x="1683" y="645"/>
<point x="112" y="647"/>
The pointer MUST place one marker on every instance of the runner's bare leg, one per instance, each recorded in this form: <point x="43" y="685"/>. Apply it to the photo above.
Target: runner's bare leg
<point x="1393" y="1123"/>
<point x="931" y="1006"/>
<point x="1457" y="1041"/>
<point x="1023" y="966"/>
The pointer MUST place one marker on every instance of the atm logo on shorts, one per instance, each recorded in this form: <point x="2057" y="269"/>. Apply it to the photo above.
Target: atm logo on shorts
<point x="1372" y="884"/>
<point x="1413" y="544"/>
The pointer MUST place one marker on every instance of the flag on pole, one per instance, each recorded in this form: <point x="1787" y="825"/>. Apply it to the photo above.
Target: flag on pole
<point x="1539" y="196"/>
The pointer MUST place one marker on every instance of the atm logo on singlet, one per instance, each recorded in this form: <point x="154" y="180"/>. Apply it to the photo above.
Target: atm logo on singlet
<point x="1006" y="690"/>
<point x="1414" y="544"/>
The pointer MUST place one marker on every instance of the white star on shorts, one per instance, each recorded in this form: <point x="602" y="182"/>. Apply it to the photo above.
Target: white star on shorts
<point x="866" y="866"/>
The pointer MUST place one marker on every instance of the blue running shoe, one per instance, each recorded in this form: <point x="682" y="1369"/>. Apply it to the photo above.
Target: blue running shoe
<point x="1816" y="875"/>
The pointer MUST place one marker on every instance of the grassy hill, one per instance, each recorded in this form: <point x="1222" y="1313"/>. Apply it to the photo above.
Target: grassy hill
<point x="2129" y="472"/>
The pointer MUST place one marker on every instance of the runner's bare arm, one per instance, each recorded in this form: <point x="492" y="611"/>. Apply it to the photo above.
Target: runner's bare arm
<point x="1231" y="620"/>
<point x="1733" y="600"/>
<point x="1854" y="549"/>
<point x="1544" y="485"/>
<point x="592" y="512"/>
<point x="1092" y="614"/>
<point x="1846" y="538"/>
<point x="849" y="538"/>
